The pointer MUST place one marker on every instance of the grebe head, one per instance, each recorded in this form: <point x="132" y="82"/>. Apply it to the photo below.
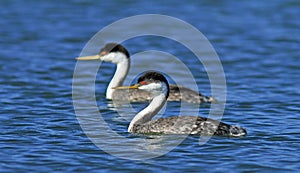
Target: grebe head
<point x="152" y="82"/>
<point x="111" y="52"/>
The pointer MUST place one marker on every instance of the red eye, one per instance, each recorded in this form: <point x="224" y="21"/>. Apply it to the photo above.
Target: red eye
<point x="143" y="83"/>
<point x="103" y="53"/>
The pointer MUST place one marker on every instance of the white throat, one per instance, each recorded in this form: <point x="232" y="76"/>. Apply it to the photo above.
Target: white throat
<point x="123" y="64"/>
<point x="151" y="110"/>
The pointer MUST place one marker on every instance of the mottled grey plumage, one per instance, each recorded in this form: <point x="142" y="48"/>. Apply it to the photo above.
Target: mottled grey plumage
<point x="180" y="93"/>
<point x="177" y="93"/>
<point x="188" y="125"/>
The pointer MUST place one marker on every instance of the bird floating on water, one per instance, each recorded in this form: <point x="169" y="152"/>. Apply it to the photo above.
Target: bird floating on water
<point x="119" y="55"/>
<point x="157" y="84"/>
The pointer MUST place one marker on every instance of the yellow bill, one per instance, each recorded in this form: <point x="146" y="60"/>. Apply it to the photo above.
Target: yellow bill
<point x="92" y="57"/>
<point x="127" y="87"/>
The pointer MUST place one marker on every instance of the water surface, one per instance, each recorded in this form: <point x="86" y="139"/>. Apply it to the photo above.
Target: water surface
<point x="257" y="42"/>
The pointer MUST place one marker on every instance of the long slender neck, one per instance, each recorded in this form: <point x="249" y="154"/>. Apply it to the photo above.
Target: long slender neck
<point x="150" y="111"/>
<point x="119" y="76"/>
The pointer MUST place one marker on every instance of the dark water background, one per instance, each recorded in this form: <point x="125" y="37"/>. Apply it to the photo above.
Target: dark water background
<point x="257" y="41"/>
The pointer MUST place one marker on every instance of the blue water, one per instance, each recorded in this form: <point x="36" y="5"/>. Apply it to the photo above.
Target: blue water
<point x="257" y="42"/>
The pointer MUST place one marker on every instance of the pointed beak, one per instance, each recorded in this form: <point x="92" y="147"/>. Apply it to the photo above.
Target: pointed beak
<point x="92" y="57"/>
<point x="127" y="87"/>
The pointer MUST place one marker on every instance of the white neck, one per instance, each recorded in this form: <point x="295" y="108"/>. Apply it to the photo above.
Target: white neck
<point x="121" y="72"/>
<point x="150" y="111"/>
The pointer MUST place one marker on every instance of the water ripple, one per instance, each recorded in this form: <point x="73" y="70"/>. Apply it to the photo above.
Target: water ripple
<point x="257" y="42"/>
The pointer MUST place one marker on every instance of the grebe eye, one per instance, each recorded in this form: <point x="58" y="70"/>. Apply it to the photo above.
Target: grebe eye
<point x="143" y="83"/>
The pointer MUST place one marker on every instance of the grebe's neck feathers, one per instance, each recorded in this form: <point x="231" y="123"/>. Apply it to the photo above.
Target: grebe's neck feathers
<point x="117" y="54"/>
<point x="123" y="65"/>
<point x="149" y="112"/>
<point x="156" y="84"/>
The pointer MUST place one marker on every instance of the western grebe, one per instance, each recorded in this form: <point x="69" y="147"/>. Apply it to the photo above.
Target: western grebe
<point x="118" y="54"/>
<point x="157" y="84"/>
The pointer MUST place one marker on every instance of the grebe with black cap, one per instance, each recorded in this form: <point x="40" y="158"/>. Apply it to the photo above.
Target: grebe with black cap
<point x="157" y="84"/>
<point x="118" y="54"/>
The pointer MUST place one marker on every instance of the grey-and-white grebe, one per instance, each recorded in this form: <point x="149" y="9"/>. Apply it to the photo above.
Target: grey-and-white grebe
<point x="118" y="54"/>
<point x="157" y="84"/>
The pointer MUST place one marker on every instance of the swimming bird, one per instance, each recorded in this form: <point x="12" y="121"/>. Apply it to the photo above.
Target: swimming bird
<point x="157" y="84"/>
<point x="119" y="55"/>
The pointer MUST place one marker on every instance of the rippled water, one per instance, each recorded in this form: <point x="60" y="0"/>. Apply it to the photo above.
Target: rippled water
<point x="258" y="43"/>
